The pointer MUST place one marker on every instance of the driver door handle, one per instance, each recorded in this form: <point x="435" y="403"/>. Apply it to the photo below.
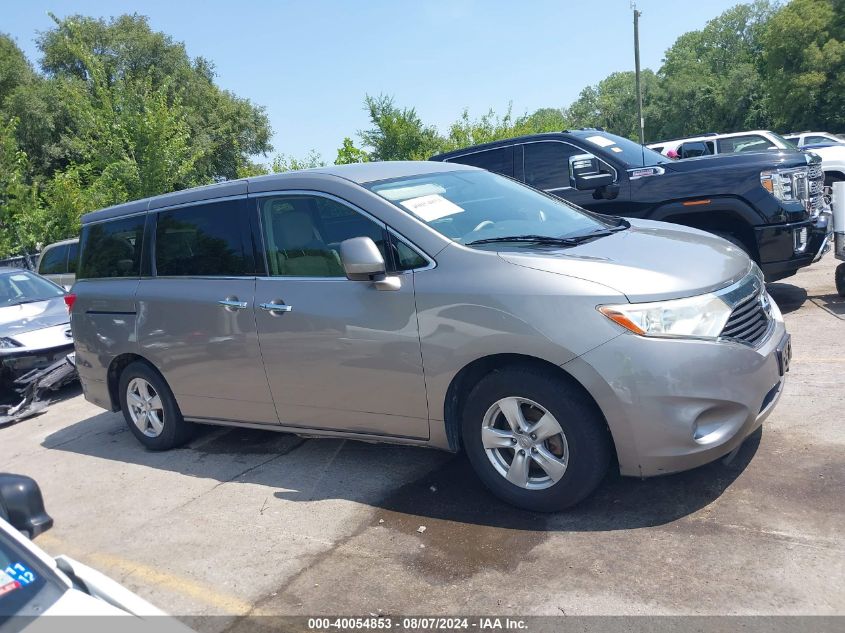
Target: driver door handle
<point x="275" y="307"/>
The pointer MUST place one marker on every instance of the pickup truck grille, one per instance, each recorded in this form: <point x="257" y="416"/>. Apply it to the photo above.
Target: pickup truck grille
<point x="750" y="320"/>
<point x="815" y="191"/>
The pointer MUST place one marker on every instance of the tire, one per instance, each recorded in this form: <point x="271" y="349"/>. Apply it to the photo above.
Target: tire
<point x="583" y="446"/>
<point x="166" y="428"/>
<point x="840" y="280"/>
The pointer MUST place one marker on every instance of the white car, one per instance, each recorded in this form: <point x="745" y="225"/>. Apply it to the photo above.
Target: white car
<point x="33" y="584"/>
<point x="833" y="157"/>
<point x="802" y="139"/>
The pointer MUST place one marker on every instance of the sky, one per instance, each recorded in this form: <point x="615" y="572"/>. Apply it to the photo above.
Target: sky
<point x="311" y="63"/>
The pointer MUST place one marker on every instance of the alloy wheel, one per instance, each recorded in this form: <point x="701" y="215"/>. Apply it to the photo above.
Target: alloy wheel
<point x="525" y="443"/>
<point x="145" y="407"/>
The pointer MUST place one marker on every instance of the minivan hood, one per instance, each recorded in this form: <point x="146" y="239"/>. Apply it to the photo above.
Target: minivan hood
<point x="27" y="317"/>
<point x="650" y="261"/>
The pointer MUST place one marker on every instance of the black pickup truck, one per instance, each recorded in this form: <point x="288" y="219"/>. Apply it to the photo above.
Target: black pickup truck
<point x="769" y="203"/>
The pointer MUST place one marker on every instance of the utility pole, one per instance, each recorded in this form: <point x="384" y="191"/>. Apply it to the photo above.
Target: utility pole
<point x="641" y="122"/>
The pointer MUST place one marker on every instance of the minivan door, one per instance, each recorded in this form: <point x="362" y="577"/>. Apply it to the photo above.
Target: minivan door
<point x="196" y="313"/>
<point x="339" y="354"/>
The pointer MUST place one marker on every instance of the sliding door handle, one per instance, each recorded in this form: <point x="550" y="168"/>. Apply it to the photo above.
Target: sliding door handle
<point x="276" y="308"/>
<point x="232" y="304"/>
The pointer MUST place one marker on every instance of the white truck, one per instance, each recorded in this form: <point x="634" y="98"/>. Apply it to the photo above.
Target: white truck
<point x="833" y="156"/>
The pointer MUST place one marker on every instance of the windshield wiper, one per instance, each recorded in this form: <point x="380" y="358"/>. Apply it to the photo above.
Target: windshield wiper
<point x="533" y="239"/>
<point x="571" y="240"/>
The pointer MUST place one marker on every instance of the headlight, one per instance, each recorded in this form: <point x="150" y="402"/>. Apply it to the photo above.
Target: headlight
<point x="787" y="185"/>
<point x="703" y="316"/>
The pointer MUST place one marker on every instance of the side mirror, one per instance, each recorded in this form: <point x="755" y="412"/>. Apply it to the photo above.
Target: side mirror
<point x="585" y="182"/>
<point x="362" y="261"/>
<point x="22" y="505"/>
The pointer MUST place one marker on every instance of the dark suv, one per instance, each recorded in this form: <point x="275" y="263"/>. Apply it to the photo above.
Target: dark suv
<point x="770" y="204"/>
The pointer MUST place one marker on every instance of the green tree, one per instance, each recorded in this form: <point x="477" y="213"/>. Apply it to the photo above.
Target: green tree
<point x="224" y="129"/>
<point x="804" y="62"/>
<point x="348" y="154"/>
<point x="710" y="79"/>
<point x="398" y="134"/>
<point x="284" y="162"/>
<point x="612" y="104"/>
<point x="15" y="69"/>
<point x="16" y="196"/>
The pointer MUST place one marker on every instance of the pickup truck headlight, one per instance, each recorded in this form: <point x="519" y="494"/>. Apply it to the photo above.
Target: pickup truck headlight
<point x="787" y="185"/>
<point x="703" y="316"/>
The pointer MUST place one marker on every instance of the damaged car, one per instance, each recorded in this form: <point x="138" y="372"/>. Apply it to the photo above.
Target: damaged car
<point x="34" y="325"/>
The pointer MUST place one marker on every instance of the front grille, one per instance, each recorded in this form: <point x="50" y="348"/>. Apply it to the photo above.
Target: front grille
<point x="750" y="320"/>
<point x="815" y="190"/>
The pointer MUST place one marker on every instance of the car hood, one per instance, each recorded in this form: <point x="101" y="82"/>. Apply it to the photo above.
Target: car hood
<point x="829" y="153"/>
<point x="650" y="261"/>
<point x="28" y="317"/>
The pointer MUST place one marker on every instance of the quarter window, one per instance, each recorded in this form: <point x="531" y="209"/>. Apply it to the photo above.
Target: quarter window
<point x="111" y="248"/>
<point x="303" y="234"/>
<point x="202" y="241"/>
<point x="54" y="261"/>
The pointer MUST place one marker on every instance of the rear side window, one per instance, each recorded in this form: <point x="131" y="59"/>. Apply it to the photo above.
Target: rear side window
<point x="812" y="140"/>
<point x="547" y="164"/>
<point x="72" y="256"/>
<point x="203" y="241"/>
<point x="498" y="160"/>
<point x="111" y="248"/>
<point x="54" y="261"/>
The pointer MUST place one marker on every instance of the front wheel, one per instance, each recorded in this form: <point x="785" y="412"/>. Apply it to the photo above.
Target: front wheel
<point x="840" y="280"/>
<point x="150" y="410"/>
<point x="535" y="440"/>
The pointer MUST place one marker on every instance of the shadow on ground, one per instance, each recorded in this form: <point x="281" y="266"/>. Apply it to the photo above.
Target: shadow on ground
<point x="788" y="297"/>
<point x="378" y="475"/>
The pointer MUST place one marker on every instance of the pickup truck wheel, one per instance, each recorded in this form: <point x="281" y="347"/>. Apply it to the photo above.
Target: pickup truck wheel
<point x="840" y="280"/>
<point x="535" y="440"/>
<point x="150" y="410"/>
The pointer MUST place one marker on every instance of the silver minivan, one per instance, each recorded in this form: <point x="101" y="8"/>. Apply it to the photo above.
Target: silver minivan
<point x="431" y="304"/>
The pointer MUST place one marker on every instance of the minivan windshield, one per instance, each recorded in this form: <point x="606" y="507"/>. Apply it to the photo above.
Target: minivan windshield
<point x="623" y="149"/>
<point x="478" y="207"/>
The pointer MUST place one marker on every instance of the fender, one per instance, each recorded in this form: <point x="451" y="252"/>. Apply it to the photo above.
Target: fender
<point x="697" y="207"/>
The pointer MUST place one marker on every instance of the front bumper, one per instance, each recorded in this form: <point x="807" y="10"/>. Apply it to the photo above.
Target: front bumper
<point x="674" y="404"/>
<point x="18" y="362"/>
<point x="776" y="246"/>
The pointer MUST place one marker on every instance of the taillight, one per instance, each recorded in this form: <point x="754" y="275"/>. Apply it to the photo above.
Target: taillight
<point x="70" y="299"/>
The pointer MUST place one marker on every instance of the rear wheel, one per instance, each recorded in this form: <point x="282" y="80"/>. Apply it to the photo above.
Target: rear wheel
<point x="150" y="410"/>
<point x="535" y="441"/>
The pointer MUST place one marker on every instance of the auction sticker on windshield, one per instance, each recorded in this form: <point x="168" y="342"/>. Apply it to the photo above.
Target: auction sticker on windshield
<point x="601" y="141"/>
<point x="431" y="207"/>
<point x="7" y="583"/>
